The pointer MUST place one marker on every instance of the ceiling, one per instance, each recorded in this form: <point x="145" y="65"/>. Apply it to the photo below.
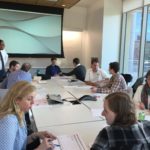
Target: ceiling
<point x="86" y="3"/>
<point x="53" y="3"/>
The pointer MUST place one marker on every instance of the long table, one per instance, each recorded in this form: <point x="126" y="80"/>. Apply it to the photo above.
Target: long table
<point x="88" y="130"/>
<point x="69" y="119"/>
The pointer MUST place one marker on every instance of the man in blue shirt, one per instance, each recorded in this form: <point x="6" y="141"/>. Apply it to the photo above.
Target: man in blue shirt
<point x="20" y="75"/>
<point x="53" y="69"/>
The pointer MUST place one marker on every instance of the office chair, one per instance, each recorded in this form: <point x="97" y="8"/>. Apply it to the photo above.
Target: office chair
<point x="128" y="77"/>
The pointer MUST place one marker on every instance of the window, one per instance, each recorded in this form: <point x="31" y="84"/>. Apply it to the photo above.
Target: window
<point x="132" y="42"/>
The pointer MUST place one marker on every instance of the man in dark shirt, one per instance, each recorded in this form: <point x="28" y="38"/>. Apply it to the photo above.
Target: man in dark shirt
<point x="79" y="71"/>
<point x="53" y="69"/>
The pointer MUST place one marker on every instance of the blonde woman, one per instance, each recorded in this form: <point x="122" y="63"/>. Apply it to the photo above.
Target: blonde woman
<point x="13" y="132"/>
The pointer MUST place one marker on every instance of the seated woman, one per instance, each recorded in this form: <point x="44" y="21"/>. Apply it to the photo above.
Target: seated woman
<point x="124" y="131"/>
<point x="142" y="94"/>
<point x="13" y="132"/>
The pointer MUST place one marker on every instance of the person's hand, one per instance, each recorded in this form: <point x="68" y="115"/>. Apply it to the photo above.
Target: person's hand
<point x="94" y="89"/>
<point x="46" y="134"/>
<point x="45" y="145"/>
<point x="60" y="74"/>
<point x="141" y="106"/>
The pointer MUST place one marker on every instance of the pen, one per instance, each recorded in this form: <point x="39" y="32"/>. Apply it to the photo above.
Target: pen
<point x="57" y="145"/>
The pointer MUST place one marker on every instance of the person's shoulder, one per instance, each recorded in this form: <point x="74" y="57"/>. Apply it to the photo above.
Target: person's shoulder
<point x="3" y="51"/>
<point x="13" y="73"/>
<point x="10" y="119"/>
<point x="118" y="76"/>
<point x="113" y="129"/>
<point x="82" y="66"/>
<point x="57" y="66"/>
<point x="48" y="66"/>
<point x="140" y="87"/>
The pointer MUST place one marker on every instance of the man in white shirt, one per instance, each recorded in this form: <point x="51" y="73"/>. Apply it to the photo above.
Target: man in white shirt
<point x="3" y="60"/>
<point x="95" y="74"/>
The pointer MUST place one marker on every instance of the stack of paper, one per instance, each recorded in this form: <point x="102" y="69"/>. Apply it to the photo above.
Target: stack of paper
<point x="69" y="142"/>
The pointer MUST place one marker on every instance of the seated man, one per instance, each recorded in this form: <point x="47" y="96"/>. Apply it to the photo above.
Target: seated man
<point x="124" y="131"/>
<point x="79" y="71"/>
<point x="13" y="66"/>
<point x="20" y="75"/>
<point x="53" y="69"/>
<point x="116" y="82"/>
<point x="95" y="74"/>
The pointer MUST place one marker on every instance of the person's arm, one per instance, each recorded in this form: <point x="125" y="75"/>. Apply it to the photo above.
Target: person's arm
<point x="101" y="141"/>
<point x="69" y="73"/>
<point x="8" y="131"/>
<point x="41" y="135"/>
<point x="115" y="85"/>
<point x="90" y="83"/>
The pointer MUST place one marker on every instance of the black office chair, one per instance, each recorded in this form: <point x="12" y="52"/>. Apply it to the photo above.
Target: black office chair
<point x="128" y="77"/>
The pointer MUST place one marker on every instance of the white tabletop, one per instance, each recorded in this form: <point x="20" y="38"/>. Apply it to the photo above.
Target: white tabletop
<point x="56" y="116"/>
<point x="88" y="131"/>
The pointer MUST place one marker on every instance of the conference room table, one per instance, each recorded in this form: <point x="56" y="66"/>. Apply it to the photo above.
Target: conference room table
<point x="84" y="118"/>
<point x="87" y="130"/>
<point x="45" y="116"/>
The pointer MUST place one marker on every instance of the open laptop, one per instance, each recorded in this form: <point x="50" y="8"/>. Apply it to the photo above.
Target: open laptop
<point x="69" y="142"/>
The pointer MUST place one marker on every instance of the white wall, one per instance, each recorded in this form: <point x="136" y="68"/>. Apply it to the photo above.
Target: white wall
<point x="93" y="32"/>
<point x="111" y="32"/>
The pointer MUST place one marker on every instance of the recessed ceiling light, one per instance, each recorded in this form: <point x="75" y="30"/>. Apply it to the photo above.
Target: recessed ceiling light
<point x="63" y="5"/>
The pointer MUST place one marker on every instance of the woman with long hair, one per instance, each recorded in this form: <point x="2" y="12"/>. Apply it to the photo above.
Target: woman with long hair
<point x="13" y="132"/>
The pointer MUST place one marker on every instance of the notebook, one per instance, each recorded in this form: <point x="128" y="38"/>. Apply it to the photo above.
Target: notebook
<point x="69" y="142"/>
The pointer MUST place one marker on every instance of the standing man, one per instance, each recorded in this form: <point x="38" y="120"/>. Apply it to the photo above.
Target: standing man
<point x="3" y="60"/>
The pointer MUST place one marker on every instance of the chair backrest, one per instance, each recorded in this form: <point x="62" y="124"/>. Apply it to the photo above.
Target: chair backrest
<point x="128" y="77"/>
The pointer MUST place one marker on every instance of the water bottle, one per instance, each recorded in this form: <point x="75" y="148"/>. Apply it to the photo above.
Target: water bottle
<point x="141" y="116"/>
